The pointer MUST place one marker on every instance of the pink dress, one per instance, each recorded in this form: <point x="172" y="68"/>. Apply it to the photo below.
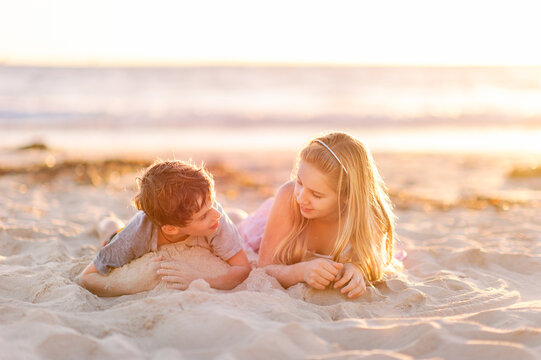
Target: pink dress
<point x="251" y="229"/>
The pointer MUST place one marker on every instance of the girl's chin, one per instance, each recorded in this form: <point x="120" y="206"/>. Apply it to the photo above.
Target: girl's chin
<point x="308" y="214"/>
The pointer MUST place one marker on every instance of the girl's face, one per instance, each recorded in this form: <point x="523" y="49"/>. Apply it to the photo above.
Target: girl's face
<point x="315" y="198"/>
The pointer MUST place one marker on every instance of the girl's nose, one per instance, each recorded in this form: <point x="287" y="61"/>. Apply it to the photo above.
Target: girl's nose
<point x="300" y="197"/>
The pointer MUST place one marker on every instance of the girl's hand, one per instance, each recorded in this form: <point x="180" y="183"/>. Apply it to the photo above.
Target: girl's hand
<point x="319" y="273"/>
<point x="352" y="276"/>
<point x="175" y="275"/>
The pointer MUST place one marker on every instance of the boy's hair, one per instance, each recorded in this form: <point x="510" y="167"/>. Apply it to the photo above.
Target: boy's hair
<point x="170" y="192"/>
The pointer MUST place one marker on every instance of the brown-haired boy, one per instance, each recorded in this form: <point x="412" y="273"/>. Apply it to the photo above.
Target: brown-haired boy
<point x="176" y="203"/>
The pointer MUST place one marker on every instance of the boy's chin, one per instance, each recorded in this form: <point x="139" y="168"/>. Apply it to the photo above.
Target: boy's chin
<point x="209" y="232"/>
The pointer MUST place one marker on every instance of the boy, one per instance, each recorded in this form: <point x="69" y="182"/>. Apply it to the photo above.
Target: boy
<point x="176" y="203"/>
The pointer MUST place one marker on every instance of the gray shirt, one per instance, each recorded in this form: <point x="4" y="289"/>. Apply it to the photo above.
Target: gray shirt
<point x="140" y="236"/>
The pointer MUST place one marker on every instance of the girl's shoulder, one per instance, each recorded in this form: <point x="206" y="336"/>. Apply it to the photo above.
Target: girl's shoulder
<point x="285" y="192"/>
<point x="282" y="200"/>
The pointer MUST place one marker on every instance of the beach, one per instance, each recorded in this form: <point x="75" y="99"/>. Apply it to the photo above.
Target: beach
<point x="445" y="95"/>
<point x="470" y="224"/>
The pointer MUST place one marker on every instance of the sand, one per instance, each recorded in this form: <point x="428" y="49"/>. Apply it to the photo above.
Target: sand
<point x="470" y="287"/>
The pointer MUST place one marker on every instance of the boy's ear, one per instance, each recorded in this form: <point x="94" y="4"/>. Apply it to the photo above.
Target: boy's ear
<point x="169" y="229"/>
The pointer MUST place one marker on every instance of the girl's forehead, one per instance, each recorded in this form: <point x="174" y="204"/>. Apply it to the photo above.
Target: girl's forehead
<point x="313" y="178"/>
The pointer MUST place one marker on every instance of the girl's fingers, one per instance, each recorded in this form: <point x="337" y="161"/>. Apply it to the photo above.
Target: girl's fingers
<point x="356" y="293"/>
<point x="344" y="279"/>
<point x="325" y="274"/>
<point x="340" y="274"/>
<point x="316" y="285"/>
<point x="354" y="282"/>
<point x="319" y="283"/>
<point x="330" y="268"/>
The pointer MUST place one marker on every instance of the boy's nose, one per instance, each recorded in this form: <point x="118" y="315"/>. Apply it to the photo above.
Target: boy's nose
<point x="216" y="214"/>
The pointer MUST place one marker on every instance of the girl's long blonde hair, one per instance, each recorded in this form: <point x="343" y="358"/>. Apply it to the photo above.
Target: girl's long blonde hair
<point x="365" y="217"/>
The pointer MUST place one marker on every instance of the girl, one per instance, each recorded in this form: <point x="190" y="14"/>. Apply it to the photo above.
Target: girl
<point x="332" y="223"/>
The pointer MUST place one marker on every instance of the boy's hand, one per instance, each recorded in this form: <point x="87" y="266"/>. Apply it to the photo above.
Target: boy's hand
<point x="320" y="272"/>
<point x="173" y="274"/>
<point x="352" y="276"/>
<point x="149" y="279"/>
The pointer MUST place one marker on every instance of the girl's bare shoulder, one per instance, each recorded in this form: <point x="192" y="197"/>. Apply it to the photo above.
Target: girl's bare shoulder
<point x="284" y="195"/>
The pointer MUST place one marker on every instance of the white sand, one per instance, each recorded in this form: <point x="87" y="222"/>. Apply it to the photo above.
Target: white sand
<point x="470" y="288"/>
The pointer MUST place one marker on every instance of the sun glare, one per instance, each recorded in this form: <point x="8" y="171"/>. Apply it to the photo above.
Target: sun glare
<point x="167" y="32"/>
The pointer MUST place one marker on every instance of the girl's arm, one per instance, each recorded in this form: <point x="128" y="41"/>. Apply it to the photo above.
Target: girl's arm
<point x="279" y="223"/>
<point x="177" y="278"/>
<point x="317" y="273"/>
<point x="287" y="275"/>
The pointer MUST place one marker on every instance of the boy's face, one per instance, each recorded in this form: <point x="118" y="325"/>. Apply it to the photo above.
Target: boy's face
<point x="204" y="222"/>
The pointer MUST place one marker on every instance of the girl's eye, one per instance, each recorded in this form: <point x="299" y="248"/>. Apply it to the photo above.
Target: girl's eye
<point x="317" y="196"/>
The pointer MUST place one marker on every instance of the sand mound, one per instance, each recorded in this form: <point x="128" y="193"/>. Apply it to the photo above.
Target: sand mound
<point x="196" y="261"/>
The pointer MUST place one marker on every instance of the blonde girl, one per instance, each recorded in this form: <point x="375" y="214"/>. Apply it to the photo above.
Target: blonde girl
<point x="333" y="222"/>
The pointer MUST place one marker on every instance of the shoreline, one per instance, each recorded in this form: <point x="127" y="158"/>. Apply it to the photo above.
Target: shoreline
<point x="138" y="141"/>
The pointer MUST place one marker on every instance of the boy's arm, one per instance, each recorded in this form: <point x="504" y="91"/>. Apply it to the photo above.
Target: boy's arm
<point x="103" y="285"/>
<point x="96" y="283"/>
<point x="237" y="273"/>
<point x="176" y="278"/>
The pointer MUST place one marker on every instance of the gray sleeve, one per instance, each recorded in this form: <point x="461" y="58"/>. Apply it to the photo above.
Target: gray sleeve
<point x="226" y="241"/>
<point x="130" y="243"/>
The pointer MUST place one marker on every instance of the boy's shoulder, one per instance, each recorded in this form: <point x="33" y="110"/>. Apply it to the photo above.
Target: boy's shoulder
<point x="226" y="228"/>
<point x="139" y="222"/>
<point x="136" y="239"/>
<point x="139" y="228"/>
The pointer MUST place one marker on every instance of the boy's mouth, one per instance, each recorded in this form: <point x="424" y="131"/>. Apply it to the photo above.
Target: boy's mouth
<point x="215" y="225"/>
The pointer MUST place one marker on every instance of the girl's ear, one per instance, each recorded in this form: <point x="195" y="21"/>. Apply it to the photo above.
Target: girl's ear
<point x="170" y="229"/>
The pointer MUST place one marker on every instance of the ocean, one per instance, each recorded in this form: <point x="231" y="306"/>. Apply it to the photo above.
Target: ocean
<point x="447" y="109"/>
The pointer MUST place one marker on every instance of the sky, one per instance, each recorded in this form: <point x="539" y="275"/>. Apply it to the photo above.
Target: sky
<point x="358" y="32"/>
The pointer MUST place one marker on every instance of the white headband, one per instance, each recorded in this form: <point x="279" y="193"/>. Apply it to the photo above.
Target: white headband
<point x="333" y="154"/>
